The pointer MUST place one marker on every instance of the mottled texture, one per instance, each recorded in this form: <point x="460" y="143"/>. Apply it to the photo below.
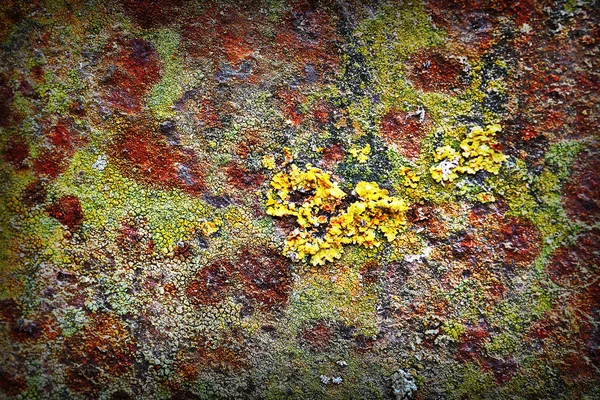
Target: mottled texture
<point x="299" y="199"/>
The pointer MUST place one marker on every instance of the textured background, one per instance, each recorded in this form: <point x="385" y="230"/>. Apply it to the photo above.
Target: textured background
<point x="143" y="145"/>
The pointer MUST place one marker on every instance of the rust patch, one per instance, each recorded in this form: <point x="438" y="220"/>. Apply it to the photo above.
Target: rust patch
<point x="146" y="157"/>
<point x="406" y="131"/>
<point x="211" y="284"/>
<point x="135" y="71"/>
<point x="67" y="210"/>
<point x="265" y="276"/>
<point x="16" y="152"/>
<point x="581" y="193"/>
<point x="433" y="71"/>
<point x="103" y="349"/>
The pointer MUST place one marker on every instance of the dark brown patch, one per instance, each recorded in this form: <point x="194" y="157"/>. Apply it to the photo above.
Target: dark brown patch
<point x="581" y="193"/>
<point x="134" y="73"/>
<point x="575" y="265"/>
<point x="35" y="193"/>
<point x="242" y="178"/>
<point x="316" y="336"/>
<point x="16" y="152"/>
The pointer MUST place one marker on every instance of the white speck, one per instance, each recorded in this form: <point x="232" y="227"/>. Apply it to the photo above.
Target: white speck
<point x="324" y="379"/>
<point x="337" y="380"/>
<point x="101" y="162"/>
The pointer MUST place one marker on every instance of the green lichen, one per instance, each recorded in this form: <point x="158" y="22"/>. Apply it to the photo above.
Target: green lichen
<point x="169" y="89"/>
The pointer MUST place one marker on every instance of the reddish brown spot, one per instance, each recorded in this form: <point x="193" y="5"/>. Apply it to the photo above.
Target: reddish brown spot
<point x="370" y="272"/>
<point x="317" y="336"/>
<point x="468" y="22"/>
<point x="406" y="131"/>
<point x="581" y="193"/>
<point x="520" y="241"/>
<point x="67" y="210"/>
<point x="6" y="95"/>
<point x="16" y="152"/>
<point x="211" y="284"/>
<point x="147" y="157"/>
<point x="332" y="155"/>
<point x="34" y="194"/>
<point x="428" y="217"/>
<point x="572" y="265"/>
<point x="290" y="104"/>
<point x="134" y="73"/>
<point x="472" y="342"/>
<point x="11" y="384"/>
<point x="242" y="178"/>
<point x="321" y="112"/>
<point x="308" y="36"/>
<point x="50" y="163"/>
<point x="153" y="13"/>
<point x="432" y="71"/>
<point x="97" y="353"/>
<point x="63" y="137"/>
<point x="265" y="276"/>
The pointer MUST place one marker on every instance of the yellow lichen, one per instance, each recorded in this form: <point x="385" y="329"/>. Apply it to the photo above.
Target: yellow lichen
<point x="316" y="202"/>
<point x="361" y="155"/>
<point x="268" y="162"/>
<point x="478" y="153"/>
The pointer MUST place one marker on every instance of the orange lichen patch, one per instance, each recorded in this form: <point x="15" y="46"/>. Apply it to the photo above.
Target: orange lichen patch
<point x="576" y="265"/>
<point x="497" y="238"/>
<point x="144" y="155"/>
<point x="240" y="177"/>
<point x="520" y="240"/>
<point x="434" y="71"/>
<point x="134" y="72"/>
<point x="581" y="193"/>
<point x="251" y="142"/>
<point x="211" y="284"/>
<point x="569" y="334"/>
<point x="224" y="34"/>
<point x="321" y="112"/>
<point x="265" y="276"/>
<point x="101" y="351"/>
<point x="16" y="152"/>
<point x="50" y="163"/>
<point x="406" y="131"/>
<point x="67" y="210"/>
<point x="316" y="336"/>
<point x="153" y="13"/>
<point x="208" y="115"/>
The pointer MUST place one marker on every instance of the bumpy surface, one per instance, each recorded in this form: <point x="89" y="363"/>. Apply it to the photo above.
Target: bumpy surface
<point x="299" y="199"/>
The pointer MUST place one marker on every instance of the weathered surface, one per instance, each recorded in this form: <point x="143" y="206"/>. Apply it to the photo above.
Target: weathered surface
<point x="269" y="199"/>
